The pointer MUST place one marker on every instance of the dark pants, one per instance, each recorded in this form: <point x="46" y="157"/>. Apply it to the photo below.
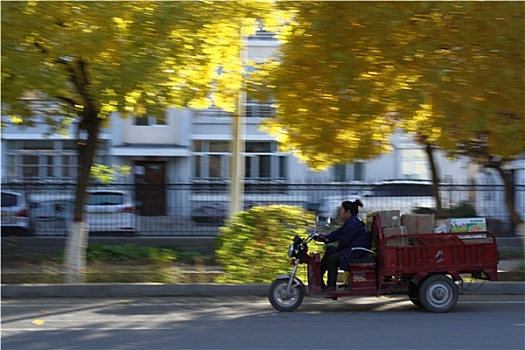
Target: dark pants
<point x="330" y="263"/>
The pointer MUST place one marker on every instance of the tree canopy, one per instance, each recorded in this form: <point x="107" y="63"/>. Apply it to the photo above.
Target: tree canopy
<point x="92" y="58"/>
<point x="349" y="73"/>
<point x="142" y="55"/>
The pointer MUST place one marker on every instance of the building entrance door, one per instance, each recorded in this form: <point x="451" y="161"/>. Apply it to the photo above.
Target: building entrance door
<point x="150" y="187"/>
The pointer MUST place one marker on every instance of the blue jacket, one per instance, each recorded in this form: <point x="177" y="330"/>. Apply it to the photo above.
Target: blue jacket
<point x="353" y="233"/>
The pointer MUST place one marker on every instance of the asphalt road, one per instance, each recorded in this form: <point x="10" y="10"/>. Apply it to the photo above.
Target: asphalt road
<point x="477" y="322"/>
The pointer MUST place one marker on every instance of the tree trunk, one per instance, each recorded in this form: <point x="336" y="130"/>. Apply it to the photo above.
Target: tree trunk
<point x="510" y="189"/>
<point x="75" y="252"/>
<point x="429" y="149"/>
<point x="76" y="243"/>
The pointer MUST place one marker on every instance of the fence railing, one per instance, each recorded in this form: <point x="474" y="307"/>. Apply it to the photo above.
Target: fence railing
<point x="193" y="209"/>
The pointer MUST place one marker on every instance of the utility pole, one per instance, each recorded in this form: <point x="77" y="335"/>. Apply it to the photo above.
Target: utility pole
<point x="238" y="131"/>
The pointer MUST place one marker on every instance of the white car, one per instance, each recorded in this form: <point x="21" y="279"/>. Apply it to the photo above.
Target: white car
<point x="104" y="210"/>
<point x="110" y="211"/>
<point x="14" y="211"/>
<point x="405" y="196"/>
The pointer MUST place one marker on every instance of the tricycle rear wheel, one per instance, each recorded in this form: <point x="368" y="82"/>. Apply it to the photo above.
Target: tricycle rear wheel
<point x="438" y="293"/>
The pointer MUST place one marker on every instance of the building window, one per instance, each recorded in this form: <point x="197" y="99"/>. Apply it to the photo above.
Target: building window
<point x="49" y="166"/>
<point x="197" y="166"/>
<point x="414" y="164"/>
<point x="142" y="120"/>
<point x="215" y="165"/>
<point x="30" y="165"/>
<point x="340" y="172"/>
<point x="11" y="166"/>
<point x="148" y="120"/>
<point x="68" y="166"/>
<point x="46" y="159"/>
<point x="261" y="159"/>
<point x="212" y="159"/>
<point x="283" y="167"/>
<point x="359" y="171"/>
<point x="348" y="172"/>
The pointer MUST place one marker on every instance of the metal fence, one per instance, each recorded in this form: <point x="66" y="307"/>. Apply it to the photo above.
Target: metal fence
<point x="198" y="209"/>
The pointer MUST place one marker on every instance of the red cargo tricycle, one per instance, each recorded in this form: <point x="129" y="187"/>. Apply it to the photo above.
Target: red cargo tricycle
<point x="428" y="267"/>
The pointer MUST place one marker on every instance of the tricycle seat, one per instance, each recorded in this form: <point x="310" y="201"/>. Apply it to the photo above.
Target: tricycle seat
<point x="370" y="257"/>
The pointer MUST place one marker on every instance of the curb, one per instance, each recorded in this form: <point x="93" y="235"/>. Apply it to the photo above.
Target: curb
<point x="104" y="290"/>
<point x="493" y="288"/>
<point x="138" y="290"/>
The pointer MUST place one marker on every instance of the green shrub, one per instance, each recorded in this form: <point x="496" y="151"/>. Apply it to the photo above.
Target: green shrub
<point x="251" y="247"/>
<point x="463" y="210"/>
<point x="131" y="253"/>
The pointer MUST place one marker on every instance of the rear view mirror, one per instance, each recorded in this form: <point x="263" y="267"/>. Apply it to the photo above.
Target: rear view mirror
<point x="321" y="219"/>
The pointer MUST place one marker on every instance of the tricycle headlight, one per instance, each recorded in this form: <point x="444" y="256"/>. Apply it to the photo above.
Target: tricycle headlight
<point x="291" y="251"/>
<point x="297" y="240"/>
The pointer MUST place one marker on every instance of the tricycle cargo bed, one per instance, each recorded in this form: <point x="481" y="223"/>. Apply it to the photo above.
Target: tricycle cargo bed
<point x="451" y="253"/>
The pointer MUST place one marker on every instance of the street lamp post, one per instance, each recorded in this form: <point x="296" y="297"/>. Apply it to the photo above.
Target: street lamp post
<point x="237" y="152"/>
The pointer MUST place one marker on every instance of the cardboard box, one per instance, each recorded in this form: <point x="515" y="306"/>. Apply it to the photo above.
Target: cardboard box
<point x="441" y="226"/>
<point x="397" y="241"/>
<point x="389" y="218"/>
<point x="390" y="231"/>
<point x="475" y="238"/>
<point x="418" y="223"/>
<point x="467" y="225"/>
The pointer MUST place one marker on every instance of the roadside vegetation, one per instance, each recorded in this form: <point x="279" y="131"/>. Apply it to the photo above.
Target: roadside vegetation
<point x="250" y="248"/>
<point x="133" y="264"/>
<point x="126" y="263"/>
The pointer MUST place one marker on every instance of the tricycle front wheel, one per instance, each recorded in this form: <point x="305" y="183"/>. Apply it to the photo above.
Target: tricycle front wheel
<point x="283" y="299"/>
<point x="438" y="293"/>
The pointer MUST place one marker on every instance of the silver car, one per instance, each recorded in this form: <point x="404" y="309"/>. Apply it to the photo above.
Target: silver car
<point x="110" y="211"/>
<point x="50" y="213"/>
<point x="14" y="211"/>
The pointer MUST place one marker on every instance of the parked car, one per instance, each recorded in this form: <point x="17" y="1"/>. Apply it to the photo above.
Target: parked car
<point x="50" y="213"/>
<point x="14" y="212"/>
<point x="209" y="214"/>
<point x="405" y="196"/>
<point x="110" y="211"/>
<point x="216" y="212"/>
<point x="105" y="210"/>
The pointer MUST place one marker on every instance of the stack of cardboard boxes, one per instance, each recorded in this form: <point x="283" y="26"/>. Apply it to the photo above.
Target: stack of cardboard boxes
<point x="393" y="223"/>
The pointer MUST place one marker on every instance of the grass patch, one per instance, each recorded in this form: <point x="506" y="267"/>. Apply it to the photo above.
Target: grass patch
<point x="136" y="264"/>
<point x="126" y="263"/>
<point x="511" y="255"/>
